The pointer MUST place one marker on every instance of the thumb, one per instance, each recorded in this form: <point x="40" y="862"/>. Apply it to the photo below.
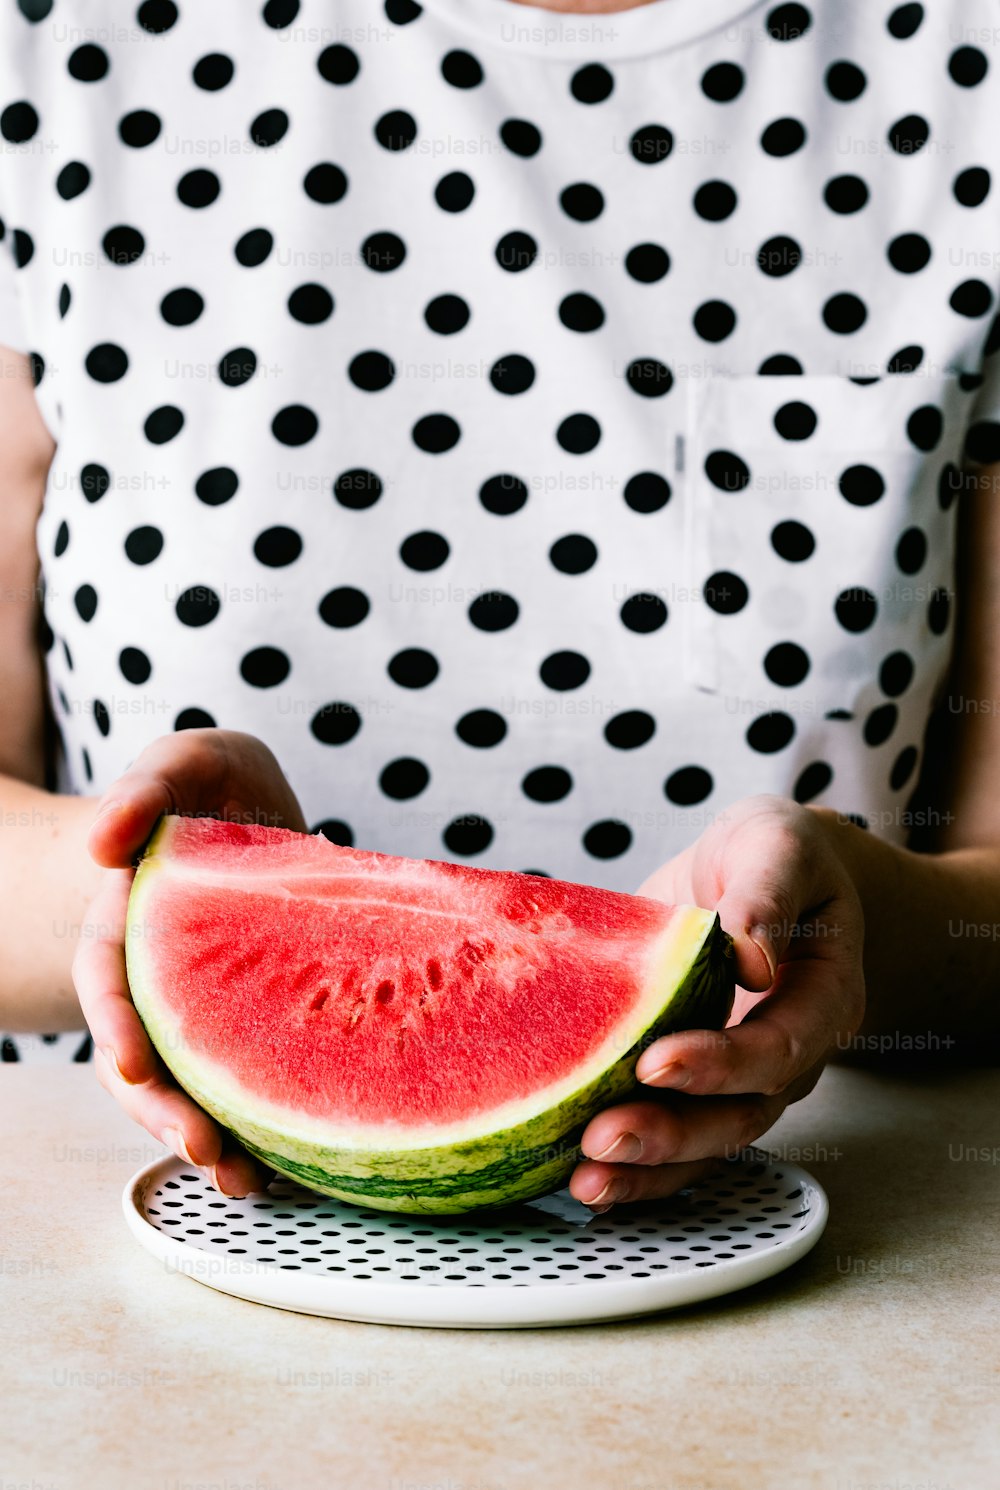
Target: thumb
<point x="758" y="913"/>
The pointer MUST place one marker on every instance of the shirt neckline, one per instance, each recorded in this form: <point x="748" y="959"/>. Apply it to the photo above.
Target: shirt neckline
<point x="560" y="37"/>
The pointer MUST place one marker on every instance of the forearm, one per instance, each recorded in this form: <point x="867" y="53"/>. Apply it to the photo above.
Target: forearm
<point x="46" y="881"/>
<point x="932" y="945"/>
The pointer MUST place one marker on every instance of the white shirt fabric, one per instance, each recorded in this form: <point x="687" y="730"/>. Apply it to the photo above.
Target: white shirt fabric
<point x="541" y="430"/>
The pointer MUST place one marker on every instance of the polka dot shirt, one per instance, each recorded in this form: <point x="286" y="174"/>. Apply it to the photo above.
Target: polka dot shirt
<point x="541" y="430"/>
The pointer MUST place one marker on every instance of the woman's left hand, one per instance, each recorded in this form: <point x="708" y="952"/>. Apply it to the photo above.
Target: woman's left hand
<point x="770" y="869"/>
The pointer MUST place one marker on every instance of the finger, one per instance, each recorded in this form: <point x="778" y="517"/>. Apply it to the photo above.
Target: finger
<point x="679" y="1129"/>
<point x="102" y="984"/>
<point x="604" y="1185"/>
<point x="173" y="773"/>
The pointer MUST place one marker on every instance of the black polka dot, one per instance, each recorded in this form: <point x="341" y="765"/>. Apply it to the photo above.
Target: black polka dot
<point x="88" y="64"/>
<point x="181" y="307"/>
<point x="424" y="550"/>
<point x="521" y="137"/>
<point x="647" y="491"/>
<point x="383" y="252"/>
<point x="911" y="550"/>
<point x="197" y="606"/>
<point x="909" y="253"/>
<point x="216" y="486"/>
<point x="648" y="263"/>
<point x="156" y="16"/>
<point x="845" y="81"/>
<point x="581" y="312"/>
<point x="404" y="778"/>
<point x="516" y="251"/>
<point x="413" y="668"/>
<point x="783" y="137"/>
<point x="909" y="134"/>
<point x="971" y="298"/>
<point x="65" y="299"/>
<point x="357" y="488"/>
<point x="573" y="554"/>
<point x="651" y="144"/>
<point x="61" y="541"/>
<point x="454" y="192"/>
<point x="106" y="363"/>
<point x="310" y="304"/>
<point x="861" y="485"/>
<point x="123" y="245"/>
<point x="591" y="84"/>
<point x="715" y="201"/>
<point x="447" y="315"/>
<point x="982" y="444"/>
<point x="335" y="830"/>
<point x="139" y="129"/>
<point x="198" y="188"/>
<point x="813" y="780"/>
<point x="253" y="247"/>
<point x="855" y="609"/>
<point x="845" y="194"/>
<point x="967" y="66"/>
<point x="925" y="426"/>
<point x="725" y="592"/>
<point x="101" y="716"/>
<point x="493" y="610"/>
<point x="726" y="470"/>
<point x="72" y="180"/>
<point x="896" y="674"/>
<point x="971" y="186"/>
<point x="371" y="371"/>
<point x="780" y="365"/>
<point x="343" y="607"/>
<point x="24" y="247"/>
<point x="325" y="183"/>
<point x="643" y="613"/>
<point x="338" y="64"/>
<point x="335" y="723"/>
<point x="649" y="377"/>
<point x="722" y="82"/>
<point x="771" y="732"/>
<point x="795" y="421"/>
<point x="280" y="13"/>
<point x="906" y="360"/>
<point x="779" y="256"/>
<point x="237" y="367"/>
<point x="468" y="835"/>
<point x="578" y="434"/>
<point x="562" y="671"/>
<point x="581" y="201"/>
<point x="786" y="664"/>
<point x="194" y="719"/>
<point x="277" y="547"/>
<point x="788" y="22"/>
<point x="163" y="424"/>
<point x="94" y="481"/>
<point x="503" y="495"/>
<point x="902" y="768"/>
<point x="547" y="784"/>
<point x="85" y="600"/>
<point x="482" y="728"/>
<point x="714" y="321"/>
<point x="18" y="122"/>
<point x="608" y="839"/>
<point x="135" y="665"/>
<point x="436" y="433"/>
<point x="939" y="611"/>
<point x="844" y="313"/>
<point x="213" y="71"/>
<point x="950" y="483"/>
<point x="34" y="10"/>
<point x="880" y="724"/>
<point x="265" y="667"/>
<point x="905" y="20"/>
<point x="269" y="128"/>
<point x="512" y="374"/>
<point x="144" y="544"/>
<point x="396" y="130"/>
<point x="461" y="70"/>
<point x="688" y="785"/>
<point x="402" y="12"/>
<point x="629" y="730"/>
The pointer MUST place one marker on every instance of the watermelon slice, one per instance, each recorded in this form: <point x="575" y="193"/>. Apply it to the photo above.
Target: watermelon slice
<point x="404" y="1033"/>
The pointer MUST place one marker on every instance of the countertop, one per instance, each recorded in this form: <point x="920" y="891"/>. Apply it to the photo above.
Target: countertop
<point x="873" y="1364"/>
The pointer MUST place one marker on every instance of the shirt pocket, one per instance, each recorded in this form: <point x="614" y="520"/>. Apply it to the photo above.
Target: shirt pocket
<point x="818" y="535"/>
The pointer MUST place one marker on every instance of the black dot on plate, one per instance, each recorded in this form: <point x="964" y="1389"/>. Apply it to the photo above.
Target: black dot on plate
<point x="521" y="137"/>
<point x="579" y="312"/>
<point x="904" y="21"/>
<point x="94" y="481"/>
<point x="688" y="785"/>
<point x="896" y="673"/>
<point x="643" y="613"/>
<point x="902" y="768"/>
<point x="845" y="194"/>
<point x="647" y="491"/>
<point x="424" y="550"/>
<point x="338" y="64"/>
<point x="725" y="592"/>
<point x="454" y="192"/>
<point x="911" y="550"/>
<point x="334" y="830"/>
<point x="971" y="298"/>
<point x="512" y="374"/>
<point x="72" y="180"/>
<point x="253" y="247"/>
<point x="771" y="732"/>
<point x="970" y="186"/>
<point x="88" y="64"/>
<point x="909" y="134"/>
<point x="786" y="664"/>
<point x="845" y="81"/>
<point x="461" y="70"/>
<point x="815" y="778"/>
<point x="855" y="608"/>
<point x="783" y="137"/>
<point x="608" y="839"/>
<point x="163" y="424"/>
<point x="135" y="665"/>
<point x="123" y="245"/>
<point x="909" y="253"/>
<point x="581" y="201"/>
<point x="795" y="421"/>
<point x="197" y="606"/>
<point x="715" y="201"/>
<point x="578" y="434"/>
<point x="516" y="252"/>
<point x="106" y="363"/>
<point x="371" y="371"/>
<point x="788" y="22"/>
<point x="651" y="144"/>
<point x="335" y="723"/>
<point x="880" y="724"/>
<point x="726" y="470"/>
<point x="265" y="667"/>
<point x="714" y="320"/>
<point x="436" y="433"/>
<point x="861" y="485"/>
<point x="591" y="84"/>
<point x="493" y="610"/>
<point x="139" y="129"/>
<point x="404" y="778"/>
<point x="324" y="183"/>
<point x="213" y="71"/>
<point x="648" y="263"/>
<point x="482" y="728"/>
<point x="779" y="256"/>
<point x="447" y="314"/>
<point x="468" y="835"/>
<point x="277" y="547"/>
<point x="629" y="730"/>
<point x="547" y="784"/>
<point x="345" y="606"/>
<point x="216" y="486"/>
<point x="844" y="313"/>
<point x="649" y="377"/>
<point x="181" y="307"/>
<point x="925" y="426"/>
<point x="573" y="554"/>
<point x="967" y="66"/>
<point x="413" y="668"/>
<point x="722" y="82"/>
<point x="939" y="611"/>
<point x="198" y="188"/>
<point x="562" y="671"/>
<point x="310" y="304"/>
<point x="237" y="367"/>
<point x="396" y="130"/>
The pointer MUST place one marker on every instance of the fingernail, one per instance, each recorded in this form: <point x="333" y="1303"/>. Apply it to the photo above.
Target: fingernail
<point x="613" y="1191"/>
<point x="625" y="1150"/>
<point x="217" y="1182"/>
<point x="174" y="1139"/>
<point x="112" y="1061"/>
<point x="760" y="937"/>
<point x="673" y="1074"/>
<point x="107" y="807"/>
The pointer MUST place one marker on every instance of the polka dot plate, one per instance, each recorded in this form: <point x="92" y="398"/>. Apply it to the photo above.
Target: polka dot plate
<point x="547" y="1263"/>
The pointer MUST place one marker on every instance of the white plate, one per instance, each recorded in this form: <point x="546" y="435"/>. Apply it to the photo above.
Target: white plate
<point x="547" y="1263"/>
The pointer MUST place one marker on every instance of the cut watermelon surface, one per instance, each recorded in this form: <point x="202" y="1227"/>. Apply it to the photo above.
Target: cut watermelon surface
<point x="404" y="1033"/>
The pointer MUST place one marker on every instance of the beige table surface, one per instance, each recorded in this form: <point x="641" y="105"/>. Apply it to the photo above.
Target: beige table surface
<point x="874" y="1364"/>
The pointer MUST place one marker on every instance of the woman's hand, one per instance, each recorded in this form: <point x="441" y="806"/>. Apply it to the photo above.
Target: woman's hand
<point x="211" y="771"/>
<point x="769" y="868"/>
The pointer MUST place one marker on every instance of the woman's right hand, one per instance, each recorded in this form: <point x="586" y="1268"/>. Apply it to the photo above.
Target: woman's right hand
<point x="218" y="773"/>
